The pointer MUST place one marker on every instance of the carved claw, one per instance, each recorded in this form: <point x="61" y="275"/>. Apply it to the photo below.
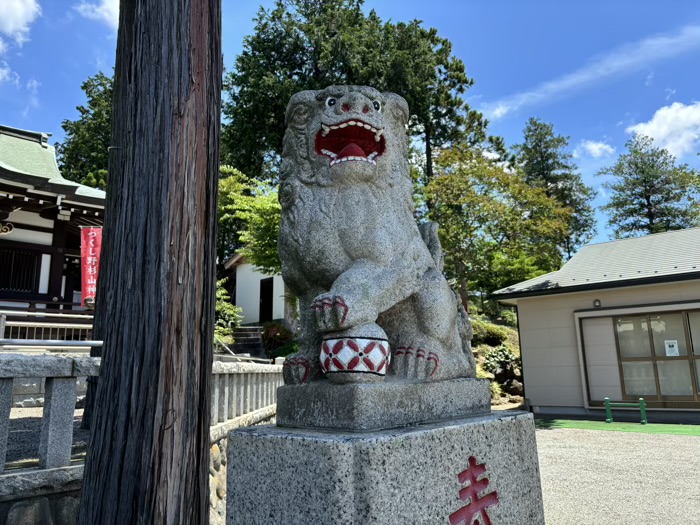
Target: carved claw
<point x="411" y="363"/>
<point x="331" y="312"/>
<point x="296" y="370"/>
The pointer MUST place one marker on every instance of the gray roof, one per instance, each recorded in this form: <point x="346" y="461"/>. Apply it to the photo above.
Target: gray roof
<point x="26" y="156"/>
<point x="661" y="257"/>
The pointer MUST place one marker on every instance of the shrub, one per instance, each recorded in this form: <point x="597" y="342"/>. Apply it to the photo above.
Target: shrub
<point x="488" y="333"/>
<point x="275" y="337"/>
<point x="228" y="316"/>
<point x="508" y="318"/>
<point x="481" y="373"/>
<point x="502" y="363"/>
<point x="497" y="394"/>
<point x="496" y="390"/>
<point x="481" y="350"/>
<point x="290" y="347"/>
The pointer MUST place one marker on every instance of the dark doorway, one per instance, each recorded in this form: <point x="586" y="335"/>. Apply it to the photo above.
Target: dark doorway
<point x="266" y="291"/>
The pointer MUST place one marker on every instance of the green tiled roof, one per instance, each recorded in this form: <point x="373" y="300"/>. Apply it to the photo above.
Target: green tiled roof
<point x="28" y="154"/>
<point x="662" y="257"/>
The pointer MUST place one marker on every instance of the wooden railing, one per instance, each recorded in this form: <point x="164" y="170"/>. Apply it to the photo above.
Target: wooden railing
<point x="242" y="394"/>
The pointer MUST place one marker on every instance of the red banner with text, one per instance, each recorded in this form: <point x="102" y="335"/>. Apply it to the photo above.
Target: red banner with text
<point x="90" y="248"/>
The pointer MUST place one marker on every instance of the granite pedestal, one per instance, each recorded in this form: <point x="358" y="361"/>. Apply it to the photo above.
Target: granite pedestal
<point x="374" y="406"/>
<point x="481" y="469"/>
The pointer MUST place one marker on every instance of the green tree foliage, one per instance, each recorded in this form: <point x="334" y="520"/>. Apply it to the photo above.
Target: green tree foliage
<point x="495" y="228"/>
<point x="310" y="44"/>
<point x="228" y="316"/>
<point x="83" y="156"/>
<point x="260" y="211"/>
<point x="232" y="186"/>
<point x="650" y="193"/>
<point x="97" y="179"/>
<point x="249" y="220"/>
<point x="545" y="162"/>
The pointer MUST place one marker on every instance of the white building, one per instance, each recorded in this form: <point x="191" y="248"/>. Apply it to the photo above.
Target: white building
<point x="621" y="320"/>
<point x="262" y="297"/>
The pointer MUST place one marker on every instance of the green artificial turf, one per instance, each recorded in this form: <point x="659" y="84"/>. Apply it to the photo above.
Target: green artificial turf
<point x="651" y="428"/>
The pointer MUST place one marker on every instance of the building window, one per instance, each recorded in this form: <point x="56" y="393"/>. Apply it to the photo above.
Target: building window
<point x="660" y="355"/>
<point x="20" y="270"/>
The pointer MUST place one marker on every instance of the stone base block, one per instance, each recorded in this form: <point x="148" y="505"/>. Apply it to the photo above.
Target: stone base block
<point x="374" y="406"/>
<point x="478" y="470"/>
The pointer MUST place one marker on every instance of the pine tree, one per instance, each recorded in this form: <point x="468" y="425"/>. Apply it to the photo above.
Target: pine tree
<point x="650" y="193"/>
<point x="84" y="154"/>
<point x="546" y="164"/>
<point x="310" y="44"/>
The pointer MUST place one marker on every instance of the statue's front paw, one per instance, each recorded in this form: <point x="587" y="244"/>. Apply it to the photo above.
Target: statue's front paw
<point x="415" y="363"/>
<point x="331" y="312"/>
<point x="298" y="370"/>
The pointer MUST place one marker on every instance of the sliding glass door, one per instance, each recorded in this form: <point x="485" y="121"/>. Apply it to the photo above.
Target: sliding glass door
<point x="660" y="356"/>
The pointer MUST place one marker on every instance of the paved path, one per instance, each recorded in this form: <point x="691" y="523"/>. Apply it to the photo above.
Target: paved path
<point x="619" y="478"/>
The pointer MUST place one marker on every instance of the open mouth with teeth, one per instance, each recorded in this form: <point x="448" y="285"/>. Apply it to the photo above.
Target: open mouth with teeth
<point x="352" y="140"/>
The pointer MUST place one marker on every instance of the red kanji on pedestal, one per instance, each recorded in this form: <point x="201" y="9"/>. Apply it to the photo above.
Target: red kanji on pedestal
<point x="474" y="494"/>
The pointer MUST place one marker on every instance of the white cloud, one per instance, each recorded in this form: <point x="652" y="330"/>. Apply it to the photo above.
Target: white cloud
<point x="33" y="86"/>
<point x="3" y="47"/>
<point x="675" y="128"/>
<point x="669" y="92"/>
<point x="15" y="18"/>
<point x="33" y="100"/>
<point x="623" y="60"/>
<point x="649" y="79"/>
<point x="7" y="75"/>
<point x="593" y="148"/>
<point x="106" y="11"/>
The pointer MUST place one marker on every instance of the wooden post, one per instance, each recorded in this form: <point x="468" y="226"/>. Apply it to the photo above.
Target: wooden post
<point x="148" y="458"/>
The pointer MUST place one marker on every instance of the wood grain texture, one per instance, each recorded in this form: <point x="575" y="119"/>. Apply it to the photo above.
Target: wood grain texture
<point x="148" y="456"/>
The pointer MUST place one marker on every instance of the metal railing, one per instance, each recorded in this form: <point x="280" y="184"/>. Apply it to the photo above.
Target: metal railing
<point x="48" y="314"/>
<point x="641" y="405"/>
<point x="48" y="326"/>
<point x="58" y="331"/>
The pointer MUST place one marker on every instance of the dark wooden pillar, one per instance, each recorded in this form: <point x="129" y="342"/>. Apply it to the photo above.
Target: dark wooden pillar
<point x="57" y="261"/>
<point x="148" y="457"/>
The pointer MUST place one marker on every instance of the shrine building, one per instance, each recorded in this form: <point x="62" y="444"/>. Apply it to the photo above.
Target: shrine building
<point x="41" y="214"/>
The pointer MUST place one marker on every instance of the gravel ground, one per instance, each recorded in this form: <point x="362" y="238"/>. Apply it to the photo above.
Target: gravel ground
<point x="25" y="429"/>
<point x="619" y="478"/>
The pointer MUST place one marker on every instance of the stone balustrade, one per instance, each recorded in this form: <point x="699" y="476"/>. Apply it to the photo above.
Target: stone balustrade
<point x="61" y="374"/>
<point x="243" y="394"/>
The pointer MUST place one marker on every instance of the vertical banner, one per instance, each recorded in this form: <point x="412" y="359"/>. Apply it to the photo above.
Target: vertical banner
<point x="90" y="247"/>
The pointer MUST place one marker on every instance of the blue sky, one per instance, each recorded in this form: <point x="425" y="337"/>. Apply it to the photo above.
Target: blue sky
<point x="598" y="70"/>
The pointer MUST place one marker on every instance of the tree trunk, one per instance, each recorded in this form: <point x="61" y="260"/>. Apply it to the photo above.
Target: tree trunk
<point x="428" y="166"/>
<point x="428" y="157"/>
<point x="148" y="459"/>
<point x="650" y="214"/>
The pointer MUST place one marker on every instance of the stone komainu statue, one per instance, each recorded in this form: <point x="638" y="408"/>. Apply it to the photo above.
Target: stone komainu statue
<point x="372" y="296"/>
